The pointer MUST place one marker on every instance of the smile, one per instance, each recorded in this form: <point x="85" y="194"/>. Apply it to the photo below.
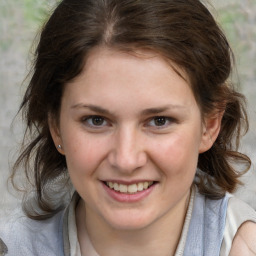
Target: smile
<point x="129" y="189"/>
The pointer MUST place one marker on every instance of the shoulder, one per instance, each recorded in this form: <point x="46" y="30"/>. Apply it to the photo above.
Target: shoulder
<point x="23" y="236"/>
<point x="240" y="229"/>
<point x="244" y="242"/>
<point x="238" y="213"/>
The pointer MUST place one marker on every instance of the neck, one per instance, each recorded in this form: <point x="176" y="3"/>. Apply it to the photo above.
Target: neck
<point x="159" y="238"/>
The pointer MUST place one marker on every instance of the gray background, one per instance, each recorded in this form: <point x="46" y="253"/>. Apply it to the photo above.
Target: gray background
<point x="19" y="22"/>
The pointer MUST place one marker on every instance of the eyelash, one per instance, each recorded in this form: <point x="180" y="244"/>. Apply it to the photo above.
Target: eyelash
<point x="167" y="122"/>
<point x="88" y="121"/>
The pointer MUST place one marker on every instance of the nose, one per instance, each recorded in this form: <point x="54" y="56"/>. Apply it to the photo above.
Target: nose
<point x="128" y="153"/>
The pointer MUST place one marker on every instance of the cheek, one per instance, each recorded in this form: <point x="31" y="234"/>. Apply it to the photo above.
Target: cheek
<point x="83" y="154"/>
<point x="177" y="155"/>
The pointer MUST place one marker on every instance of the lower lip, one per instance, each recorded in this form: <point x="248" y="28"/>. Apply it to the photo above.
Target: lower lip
<point x="128" y="198"/>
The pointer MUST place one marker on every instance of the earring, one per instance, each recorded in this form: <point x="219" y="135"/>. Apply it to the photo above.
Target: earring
<point x="59" y="146"/>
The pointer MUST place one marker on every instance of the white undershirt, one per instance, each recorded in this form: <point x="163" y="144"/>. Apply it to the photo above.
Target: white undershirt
<point x="73" y="237"/>
<point x="237" y="213"/>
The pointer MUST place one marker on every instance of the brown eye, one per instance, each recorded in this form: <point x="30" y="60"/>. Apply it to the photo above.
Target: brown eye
<point x="95" y="121"/>
<point x="160" y="121"/>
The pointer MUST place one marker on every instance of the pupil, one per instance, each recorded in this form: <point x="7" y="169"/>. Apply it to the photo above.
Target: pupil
<point x="160" y="121"/>
<point x="97" y="120"/>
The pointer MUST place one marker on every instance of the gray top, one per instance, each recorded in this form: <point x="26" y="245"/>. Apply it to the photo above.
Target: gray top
<point x="208" y="230"/>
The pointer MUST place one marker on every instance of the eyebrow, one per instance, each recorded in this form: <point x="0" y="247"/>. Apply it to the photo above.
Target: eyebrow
<point x="94" y="108"/>
<point x="161" y="109"/>
<point x="148" y="111"/>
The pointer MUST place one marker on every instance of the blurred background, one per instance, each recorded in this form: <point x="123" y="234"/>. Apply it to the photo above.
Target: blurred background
<point x="19" y="23"/>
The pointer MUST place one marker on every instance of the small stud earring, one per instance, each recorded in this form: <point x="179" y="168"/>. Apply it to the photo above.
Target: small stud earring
<point x="59" y="146"/>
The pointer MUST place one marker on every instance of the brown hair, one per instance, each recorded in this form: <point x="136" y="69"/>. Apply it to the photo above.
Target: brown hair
<point x="182" y="31"/>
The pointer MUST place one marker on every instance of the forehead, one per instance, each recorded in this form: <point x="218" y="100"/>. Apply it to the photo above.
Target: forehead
<point x="149" y="56"/>
<point x="110" y="75"/>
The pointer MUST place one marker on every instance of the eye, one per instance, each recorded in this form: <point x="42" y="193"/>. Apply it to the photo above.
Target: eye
<point x="95" y="121"/>
<point x="160" y="121"/>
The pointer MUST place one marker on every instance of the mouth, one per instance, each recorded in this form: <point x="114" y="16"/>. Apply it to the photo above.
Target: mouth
<point x="131" y="188"/>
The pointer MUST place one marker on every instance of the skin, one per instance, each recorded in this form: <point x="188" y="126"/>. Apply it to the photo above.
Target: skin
<point x="244" y="242"/>
<point x="125" y="143"/>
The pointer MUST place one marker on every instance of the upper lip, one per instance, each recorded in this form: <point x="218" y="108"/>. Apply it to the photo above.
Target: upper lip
<point x="125" y="182"/>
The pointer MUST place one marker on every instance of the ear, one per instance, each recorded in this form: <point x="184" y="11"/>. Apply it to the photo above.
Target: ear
<point x="56" y="136"/>
<point x="211" y="129"/>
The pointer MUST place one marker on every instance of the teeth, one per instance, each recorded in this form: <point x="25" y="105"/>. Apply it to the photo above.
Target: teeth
<point x="111" y="185"/>
<point x="140" y="186"/>
<point x="116" y="187"/>
<point x="145" y="185"/>
<point x="130" y="189"/>
<point x="123" y="188"/>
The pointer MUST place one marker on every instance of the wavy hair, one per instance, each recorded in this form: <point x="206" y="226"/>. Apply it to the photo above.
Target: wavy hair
<point x="183" y="31"/>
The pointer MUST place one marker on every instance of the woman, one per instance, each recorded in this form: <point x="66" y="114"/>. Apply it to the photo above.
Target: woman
<point x="130" y="100"/>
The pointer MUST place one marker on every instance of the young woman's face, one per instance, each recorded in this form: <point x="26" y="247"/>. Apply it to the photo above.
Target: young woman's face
<point x="131" y="131"/>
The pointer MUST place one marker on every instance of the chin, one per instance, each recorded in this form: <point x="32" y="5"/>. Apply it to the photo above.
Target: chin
<point x="129" y="221"/>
